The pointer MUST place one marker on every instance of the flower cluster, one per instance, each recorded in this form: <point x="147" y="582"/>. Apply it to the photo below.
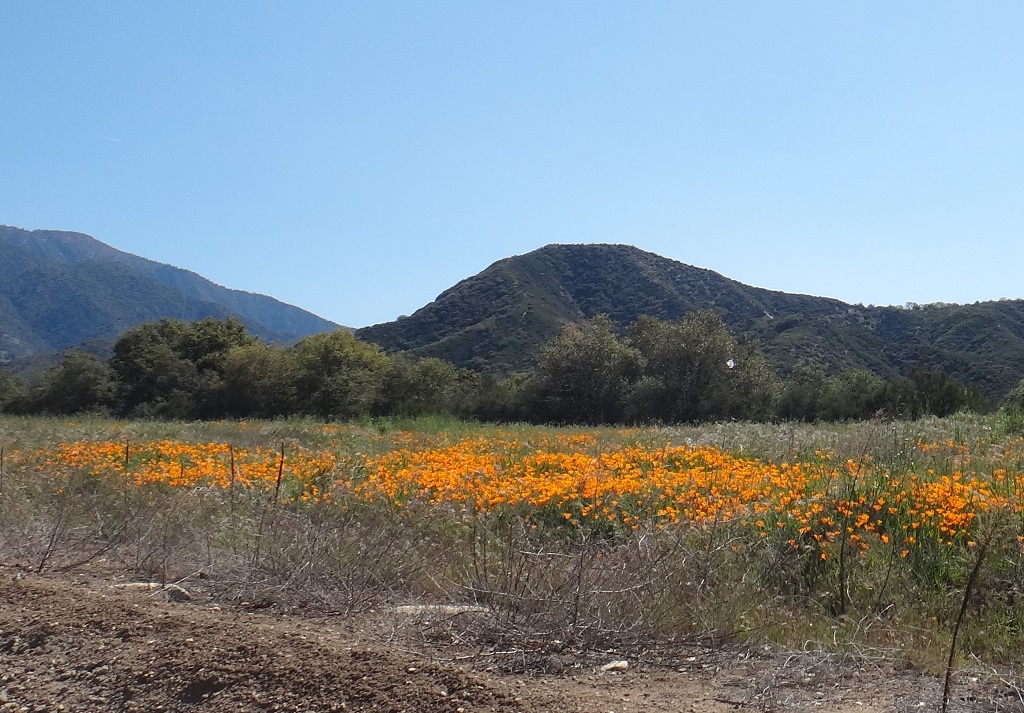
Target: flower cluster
<point x="591" y="479"/>
<point x="180" y="464"/>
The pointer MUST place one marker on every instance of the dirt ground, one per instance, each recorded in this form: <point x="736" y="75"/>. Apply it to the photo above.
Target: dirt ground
<point x="85" y="642"/>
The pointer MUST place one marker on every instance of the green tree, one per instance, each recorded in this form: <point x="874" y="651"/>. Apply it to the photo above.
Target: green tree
<point x="1011" y="411"/>
<point x="425" y="386"/>
<point x="584" y="375"/>
<point x="856" y="394"/>
<point x="12" y="391"/>
<point x="939" y="394"/>
<point x="695" y="370"/>
<point x="502" y="400"/>
<point x="337" y="375"/>
<point x="804" y="394"/>
<point x="173" y="369"/>
<point x="81" y="382"/>
<point x="207" y="342"/>
<point x="1015" y="397"/>
<point x="258" y="381"/>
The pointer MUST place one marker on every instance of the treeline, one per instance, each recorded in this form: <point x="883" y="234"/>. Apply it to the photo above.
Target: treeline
<point x="687" y="370"/>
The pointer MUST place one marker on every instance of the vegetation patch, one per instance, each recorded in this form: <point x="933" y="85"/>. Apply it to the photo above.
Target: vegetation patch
<point x="859" y="539"/>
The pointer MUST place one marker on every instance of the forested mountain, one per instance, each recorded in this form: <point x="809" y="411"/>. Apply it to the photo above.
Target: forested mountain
<point x="497" y="321"/>
<point x="59" y="289"/>
<point x="62" y="289"/>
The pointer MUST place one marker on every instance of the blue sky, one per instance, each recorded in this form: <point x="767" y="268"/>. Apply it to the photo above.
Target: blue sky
<point x="356" y="159"/>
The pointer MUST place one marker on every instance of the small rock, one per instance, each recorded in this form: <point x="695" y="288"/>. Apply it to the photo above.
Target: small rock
<point x="174" y="593"/>
<point x="616" y="666"/>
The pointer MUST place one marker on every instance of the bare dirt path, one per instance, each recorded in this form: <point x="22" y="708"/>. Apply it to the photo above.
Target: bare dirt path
<point x="81" y="643"/>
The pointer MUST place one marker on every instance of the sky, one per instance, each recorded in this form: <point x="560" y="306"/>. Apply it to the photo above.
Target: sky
<point x="358" y="158"/>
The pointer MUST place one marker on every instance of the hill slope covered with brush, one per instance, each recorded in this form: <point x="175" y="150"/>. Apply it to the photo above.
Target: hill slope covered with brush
<point x="497" y="320"/>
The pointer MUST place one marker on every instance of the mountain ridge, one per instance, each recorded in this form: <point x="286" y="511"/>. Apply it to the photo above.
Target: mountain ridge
<point x="497" y="320"/>
<point x="59" y="288"/>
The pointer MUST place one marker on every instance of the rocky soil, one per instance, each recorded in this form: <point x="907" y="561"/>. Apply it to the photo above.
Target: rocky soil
<point x="84" y="642"/>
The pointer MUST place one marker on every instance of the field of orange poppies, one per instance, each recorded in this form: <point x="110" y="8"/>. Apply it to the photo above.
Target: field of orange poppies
<point x="858" y="535"/>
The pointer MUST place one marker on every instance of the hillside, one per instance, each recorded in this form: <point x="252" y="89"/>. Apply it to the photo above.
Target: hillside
<point x="59" y="289"/>
<point x="497" y="320"/>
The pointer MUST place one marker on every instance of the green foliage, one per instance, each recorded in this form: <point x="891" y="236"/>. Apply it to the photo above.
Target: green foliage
<point x="337" y="374"/>
<point x="429" y="386"/>
<point x="687" y="370"/>
<point x="1011" y="414"/>
<point x="1011" y="418"/>
<point x="258" y="381"/>
<point x="1015" y="397"/>
<point x="174" y="369"/>
<point x="695" y="370"/>
<point x="502" y="400"/>
<point x="934" y="393"/>
<point x="855" y="394"/>
<point x="11" y="391"/>
<point x="80" y="383"/>
<point x="809" y="395"/>
<point x="584" y="375"/>
<point x="804" y="395"/>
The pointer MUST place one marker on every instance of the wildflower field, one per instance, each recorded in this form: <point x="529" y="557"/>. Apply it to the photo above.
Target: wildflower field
<point x="859" y="538"/>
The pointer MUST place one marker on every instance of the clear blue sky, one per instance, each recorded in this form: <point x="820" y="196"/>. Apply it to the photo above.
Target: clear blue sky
<point x="357" y="158"/>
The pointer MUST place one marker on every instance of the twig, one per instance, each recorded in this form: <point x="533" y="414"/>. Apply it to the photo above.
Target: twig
<point x="280" y="473"/>
<point x="947" y="685"/>
<point x="272" y="504"/>
<point x="57" y="527"/>
<point x="107" y="546"/>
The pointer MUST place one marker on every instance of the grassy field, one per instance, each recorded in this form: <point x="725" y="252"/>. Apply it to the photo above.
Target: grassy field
<point x="858" y="538"/>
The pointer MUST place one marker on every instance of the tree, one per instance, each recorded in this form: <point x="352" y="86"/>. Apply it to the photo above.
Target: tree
<point x="1015" y="397"/>
<point x="258" y="381"/>
<point x="11" y="391"/>
<point x="80" y="383"/>
<point x="336" y="375"/>
<point x="584" y="375"/>
<point x="207" y="342"/>
<point x="695" y="370"/>
<point x="855" y="394"/>
<point x="804" y="394"/>
<point x="147" y="366"/>
<point x="425" y="386"/>
<point x="502" y="400"/>
<point x="939" y="394"/>
<point x="173" y="369"/>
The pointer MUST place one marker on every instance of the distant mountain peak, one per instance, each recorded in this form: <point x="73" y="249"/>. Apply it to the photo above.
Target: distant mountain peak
<point x="59" y="288"/>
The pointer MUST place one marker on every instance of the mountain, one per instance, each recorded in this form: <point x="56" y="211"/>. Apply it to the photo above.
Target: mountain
<point x="59" y="289"/>
<point x="497" y="320"/>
